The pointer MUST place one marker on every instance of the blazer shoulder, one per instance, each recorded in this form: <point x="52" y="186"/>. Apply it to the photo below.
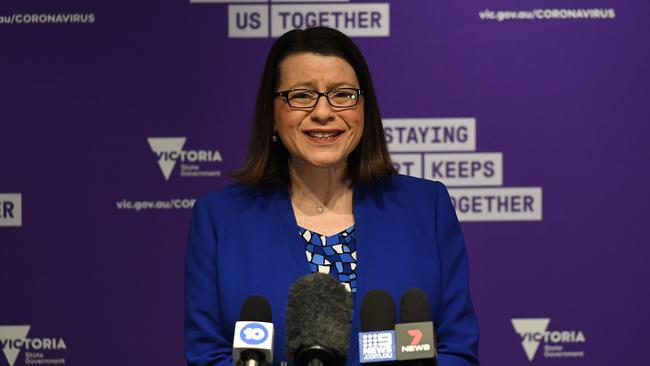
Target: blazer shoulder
<point x="406" y="192"/>
<point x="407" y="185"/>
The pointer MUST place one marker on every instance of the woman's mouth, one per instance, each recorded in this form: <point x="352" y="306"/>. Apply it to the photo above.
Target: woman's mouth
<point x="323" y="136"/>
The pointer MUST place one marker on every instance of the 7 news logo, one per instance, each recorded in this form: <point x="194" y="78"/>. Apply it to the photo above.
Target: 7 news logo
<point x="415" y="345"/>
<point x="415" y="341"/>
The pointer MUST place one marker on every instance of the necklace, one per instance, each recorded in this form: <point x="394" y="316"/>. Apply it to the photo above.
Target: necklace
<point x="320" y="207"/>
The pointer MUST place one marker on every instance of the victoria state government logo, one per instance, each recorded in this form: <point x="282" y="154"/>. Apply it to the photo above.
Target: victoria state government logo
<point x="37" y="350"/>
<point x="557" y="343"/>
<point x="193" y="163"/>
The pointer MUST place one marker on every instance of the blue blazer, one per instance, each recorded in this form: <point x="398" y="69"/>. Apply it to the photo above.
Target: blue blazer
<point x="245" y="242"/>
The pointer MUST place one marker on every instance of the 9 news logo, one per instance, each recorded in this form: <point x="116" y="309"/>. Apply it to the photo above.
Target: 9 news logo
<point x="254" y="334"/>
<point x="377" y="346"/>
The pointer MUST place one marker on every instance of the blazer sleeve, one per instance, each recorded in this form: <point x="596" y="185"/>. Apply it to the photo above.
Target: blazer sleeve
<point x="457" y="327"/>
<point x="204" y="341"/>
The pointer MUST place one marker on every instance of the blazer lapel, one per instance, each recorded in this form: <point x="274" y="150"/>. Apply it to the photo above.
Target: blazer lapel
<point x="363" y="234"/>
<point x="367" y="221"/>
<point x="374" y="233"/>
<point x="282" y="205"/>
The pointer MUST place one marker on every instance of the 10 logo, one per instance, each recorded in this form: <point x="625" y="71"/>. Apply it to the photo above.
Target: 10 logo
<point x="254" y="333"/>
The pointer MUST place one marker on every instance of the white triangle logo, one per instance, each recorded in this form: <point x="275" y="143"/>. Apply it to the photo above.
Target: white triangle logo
<point x="163" y="147"/>
<point x="526" y="327"/>
<point x="10" y="333"/>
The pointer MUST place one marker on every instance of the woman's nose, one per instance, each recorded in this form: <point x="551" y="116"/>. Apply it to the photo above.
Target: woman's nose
<point x="322" y="112"/>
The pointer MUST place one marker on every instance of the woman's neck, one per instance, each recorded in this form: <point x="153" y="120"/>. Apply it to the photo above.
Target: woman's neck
<point x="326" y="185"/>
<point x="321" y="198"/>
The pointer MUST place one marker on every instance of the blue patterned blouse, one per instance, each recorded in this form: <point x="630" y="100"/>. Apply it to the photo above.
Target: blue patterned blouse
<point x="335" y="254"/>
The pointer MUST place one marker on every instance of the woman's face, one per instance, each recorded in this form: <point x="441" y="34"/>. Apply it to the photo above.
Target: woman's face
<point x="323" y="136"/>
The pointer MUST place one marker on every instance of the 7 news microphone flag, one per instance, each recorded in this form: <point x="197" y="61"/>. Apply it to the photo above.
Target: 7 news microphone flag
<point x="415" y="338"/>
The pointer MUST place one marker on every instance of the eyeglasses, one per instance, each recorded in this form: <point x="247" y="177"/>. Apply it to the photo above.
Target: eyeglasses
<point x="305" y="98"/>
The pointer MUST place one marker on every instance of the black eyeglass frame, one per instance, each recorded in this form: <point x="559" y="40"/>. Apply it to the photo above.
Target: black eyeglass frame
<point x="285" y="94"/>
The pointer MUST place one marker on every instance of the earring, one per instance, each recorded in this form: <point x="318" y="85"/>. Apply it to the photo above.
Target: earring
<point x="274" y="138"/>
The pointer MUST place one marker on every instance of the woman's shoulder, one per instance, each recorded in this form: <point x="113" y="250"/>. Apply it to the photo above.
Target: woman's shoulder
<point x="415" y="181"/>
<point x="408" y="185"/>
<point x="407" y="191"/>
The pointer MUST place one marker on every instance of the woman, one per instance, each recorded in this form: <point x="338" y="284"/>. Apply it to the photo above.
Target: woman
<point x="318" y="192"/>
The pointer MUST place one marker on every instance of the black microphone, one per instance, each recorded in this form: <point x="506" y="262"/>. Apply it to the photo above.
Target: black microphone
<point x="415" y="336"/>
<point x="377" y="311"/>
<point x="253" y="339"/>
<point x="319" y="315"/>
<point x="377" y="336"/>
<point x="256" y="309"/>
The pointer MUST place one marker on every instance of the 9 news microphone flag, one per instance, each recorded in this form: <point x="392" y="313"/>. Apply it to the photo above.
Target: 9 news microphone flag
<point x="377" y="336"/>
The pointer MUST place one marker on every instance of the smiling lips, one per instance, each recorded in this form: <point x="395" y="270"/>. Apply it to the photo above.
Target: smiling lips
<point x="323" y="137"/>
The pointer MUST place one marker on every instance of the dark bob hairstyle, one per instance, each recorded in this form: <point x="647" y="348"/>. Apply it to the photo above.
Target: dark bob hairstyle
<point x="267" y="163"/>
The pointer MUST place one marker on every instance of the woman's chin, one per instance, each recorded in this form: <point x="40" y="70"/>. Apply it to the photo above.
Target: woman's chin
<point x="322" y="163"/>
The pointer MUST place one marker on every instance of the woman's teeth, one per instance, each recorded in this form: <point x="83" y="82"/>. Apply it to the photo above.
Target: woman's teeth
<point x="323" y="135"/>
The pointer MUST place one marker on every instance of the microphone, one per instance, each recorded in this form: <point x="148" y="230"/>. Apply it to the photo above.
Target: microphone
<point x="319" y="315"/>
<point x="415" y="336"/>
<point x="377" y="336"/>
<point x="253" y="339"/>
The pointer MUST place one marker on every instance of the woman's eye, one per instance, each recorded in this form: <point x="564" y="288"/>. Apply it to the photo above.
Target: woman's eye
<point x="302" y="95"/>
<point x="344" y="95"/>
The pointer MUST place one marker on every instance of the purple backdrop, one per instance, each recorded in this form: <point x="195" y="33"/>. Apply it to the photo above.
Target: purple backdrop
<point x="116" y="115"/>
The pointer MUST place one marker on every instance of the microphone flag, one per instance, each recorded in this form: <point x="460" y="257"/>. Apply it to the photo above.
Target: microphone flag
<point x="377" y="346"/>
<point x="415" y="341"/>
<point x="253" y="336"/>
